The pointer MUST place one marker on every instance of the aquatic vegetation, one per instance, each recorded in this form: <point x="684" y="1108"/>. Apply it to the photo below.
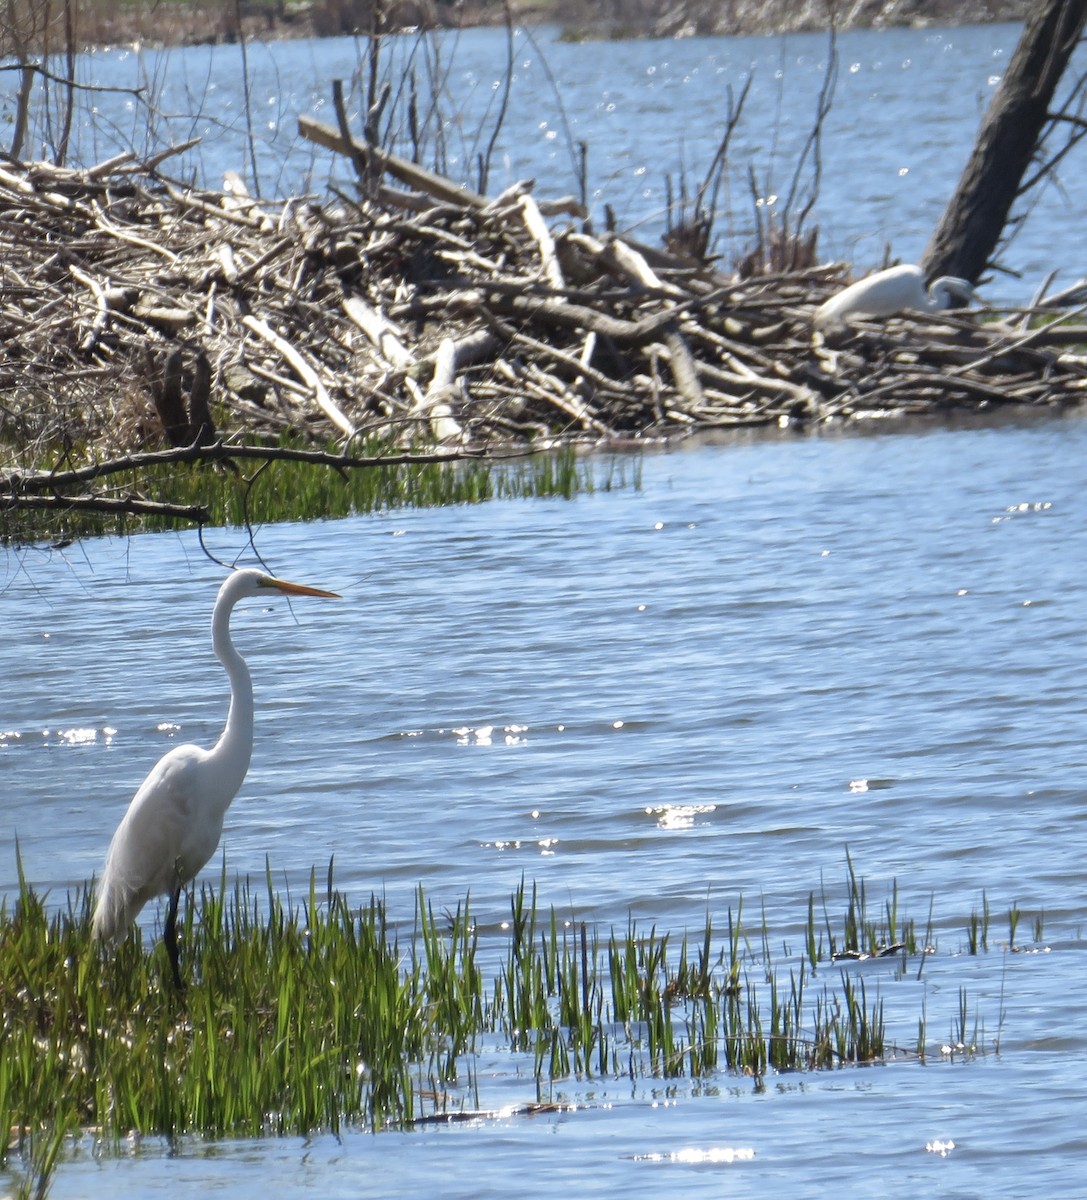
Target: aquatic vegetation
<point x="313" y="1014"/>
<point x="291" y="490"/>
<point x="977" y="931"/>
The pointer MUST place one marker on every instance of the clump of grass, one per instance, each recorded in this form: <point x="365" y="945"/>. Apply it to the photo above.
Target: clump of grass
<point x="861" y="936"/>
<point x="315" y="1015"/>
<point x="977" y="931"/>
<point x="290" y="490"/>
<point x="1013" y="924"/>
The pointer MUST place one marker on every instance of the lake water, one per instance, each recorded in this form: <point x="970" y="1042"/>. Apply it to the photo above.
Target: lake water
<point x="906" y="110"/>
<point x="651" y="702"/>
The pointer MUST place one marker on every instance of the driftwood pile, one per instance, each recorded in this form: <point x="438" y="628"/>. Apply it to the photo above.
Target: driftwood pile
<point x="138" y="313"/>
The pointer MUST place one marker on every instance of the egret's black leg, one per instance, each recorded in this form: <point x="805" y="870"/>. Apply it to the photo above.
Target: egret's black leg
<point x="169" y="936"/>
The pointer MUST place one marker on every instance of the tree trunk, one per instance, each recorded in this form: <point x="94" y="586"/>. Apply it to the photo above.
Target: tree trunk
<point x="974" y="219"/>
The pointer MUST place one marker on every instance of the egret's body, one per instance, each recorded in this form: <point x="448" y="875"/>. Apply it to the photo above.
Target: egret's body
<point x="173" y="825"/>
<point x="898" y="289"/>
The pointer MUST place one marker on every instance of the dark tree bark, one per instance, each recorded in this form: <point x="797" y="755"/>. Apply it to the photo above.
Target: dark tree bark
<point x="974" y="219"/>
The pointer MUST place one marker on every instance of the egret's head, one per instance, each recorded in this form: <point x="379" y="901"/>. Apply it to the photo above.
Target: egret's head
<point x="250" y="582"/>
<point x="953" y="292"/>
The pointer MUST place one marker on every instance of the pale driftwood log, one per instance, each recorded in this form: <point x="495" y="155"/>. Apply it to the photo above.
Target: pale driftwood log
<point x="545" y="243"/>
<point x="738" y="372"/>
<point x="224" y="252"/>
<point x="635" y="264"/>
<point x="553" y="313"/>
<point x="435" y="404"/>
<point x="107" y="226"/>
<point x="475" y="347"/>
<point x="101" y="305"/>
<point x="304" y="371"/>
<point x="147" y="166"/>
<point x="172" y="320"/>
<point x="26" y="187"/>
<point x="577" y="366"/>
<point x="621" y="259"/>
<point x="113" y="165"/>
<point x="445" y="365"/>
<point x="684" y="370"/>
<point x="549" y="389"/>
<point x="258" y="264"/>
<point x="383" y="334"/>
<point x="188" y="199"/>
<point x="510" y="197"/>
<point x="562" y="206"/>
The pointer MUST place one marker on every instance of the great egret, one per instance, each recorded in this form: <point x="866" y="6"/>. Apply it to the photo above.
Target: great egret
<point x="893" y="291"/>
<point x="173" y="824"/>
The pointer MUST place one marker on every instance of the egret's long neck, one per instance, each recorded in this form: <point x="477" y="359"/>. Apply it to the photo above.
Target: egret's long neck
<point x="235" y="746"/>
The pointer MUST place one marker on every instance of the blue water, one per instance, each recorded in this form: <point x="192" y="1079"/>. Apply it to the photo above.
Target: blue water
<point x="659" y="702"/>
<point x="905" y="113"/>
<point x="656" y="703"/>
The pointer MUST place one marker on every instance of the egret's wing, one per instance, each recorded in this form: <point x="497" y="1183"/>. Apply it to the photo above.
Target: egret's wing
<point x="880" y="295"/>
<point x="143" y="857"/>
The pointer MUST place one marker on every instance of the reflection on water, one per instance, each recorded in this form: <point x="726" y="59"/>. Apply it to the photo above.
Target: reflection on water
<point x="654" y="705"/>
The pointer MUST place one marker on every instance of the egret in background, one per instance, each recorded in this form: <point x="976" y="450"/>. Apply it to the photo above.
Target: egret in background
<point x="173" y="824"/>
<point x="893" y="291"/>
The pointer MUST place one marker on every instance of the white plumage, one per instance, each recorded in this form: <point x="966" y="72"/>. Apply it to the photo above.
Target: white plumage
<point x="898" y="289"/>
<point x="172" y="826"/>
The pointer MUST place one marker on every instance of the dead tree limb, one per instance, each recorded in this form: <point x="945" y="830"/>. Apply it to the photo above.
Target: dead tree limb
<point x="407" y="172"/>
<point x="974" y="220"/>
<point x="20" y="483"/>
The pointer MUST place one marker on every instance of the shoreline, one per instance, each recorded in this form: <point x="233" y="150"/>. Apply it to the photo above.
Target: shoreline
<point x="184" y="25"/>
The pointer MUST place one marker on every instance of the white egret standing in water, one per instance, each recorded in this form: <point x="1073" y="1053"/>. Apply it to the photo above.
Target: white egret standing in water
<point x="898" y="289"/>
<point x="173" y="824"/>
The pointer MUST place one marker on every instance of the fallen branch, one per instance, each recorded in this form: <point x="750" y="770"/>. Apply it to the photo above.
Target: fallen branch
<point x="304" y="371"/>
<point x="399" y="168"/>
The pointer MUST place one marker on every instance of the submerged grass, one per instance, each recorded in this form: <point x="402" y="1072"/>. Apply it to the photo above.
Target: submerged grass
<point x="312" y="1014"/>
<point x="289" y="490"/>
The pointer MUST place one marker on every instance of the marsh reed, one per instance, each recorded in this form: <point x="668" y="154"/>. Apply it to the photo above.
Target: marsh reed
<point x="310" y="1013"/>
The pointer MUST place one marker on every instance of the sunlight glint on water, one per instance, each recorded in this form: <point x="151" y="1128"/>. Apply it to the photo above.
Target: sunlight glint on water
<point x="654" y="705"/>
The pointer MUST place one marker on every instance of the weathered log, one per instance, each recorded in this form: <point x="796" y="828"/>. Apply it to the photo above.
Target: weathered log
<point x="399" y="168"/>
<point x="435" y="405"/>
<point x="558" y="315"/>
<point x="304" y="371"/>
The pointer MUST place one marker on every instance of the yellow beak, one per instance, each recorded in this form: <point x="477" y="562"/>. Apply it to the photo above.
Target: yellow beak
<point x="300" y="589"/>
